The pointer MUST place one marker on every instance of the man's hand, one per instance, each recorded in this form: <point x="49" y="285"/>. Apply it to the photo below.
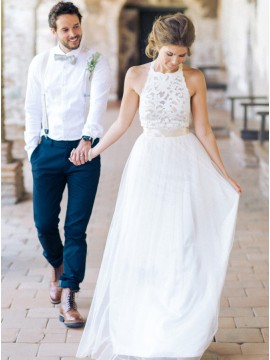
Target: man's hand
<point x="79" y="156"/>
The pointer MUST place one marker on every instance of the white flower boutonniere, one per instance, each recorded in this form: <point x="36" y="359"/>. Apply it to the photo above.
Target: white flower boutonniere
<point x="91" y="63"/>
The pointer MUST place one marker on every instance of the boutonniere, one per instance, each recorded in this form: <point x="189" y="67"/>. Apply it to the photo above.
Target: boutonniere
<point x="91" y="63"/>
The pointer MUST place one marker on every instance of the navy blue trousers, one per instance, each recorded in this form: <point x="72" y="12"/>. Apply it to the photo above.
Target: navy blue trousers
<point x="52" y="171"/>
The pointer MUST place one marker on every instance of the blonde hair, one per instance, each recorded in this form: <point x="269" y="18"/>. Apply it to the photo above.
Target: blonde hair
<point x="174" y="29"/>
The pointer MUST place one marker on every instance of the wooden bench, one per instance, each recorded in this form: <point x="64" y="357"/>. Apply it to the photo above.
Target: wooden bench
<point x="249" y="134"/>
<point x="251" y="98"/>
<point x="263" y="134"/>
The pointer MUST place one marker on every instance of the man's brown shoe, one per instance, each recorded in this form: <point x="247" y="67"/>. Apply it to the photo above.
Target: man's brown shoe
<point x="55" y="291"/>
<point x="69" y="314"/>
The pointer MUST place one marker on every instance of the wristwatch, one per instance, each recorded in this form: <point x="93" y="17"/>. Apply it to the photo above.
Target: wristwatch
<point x="87" y="138"/>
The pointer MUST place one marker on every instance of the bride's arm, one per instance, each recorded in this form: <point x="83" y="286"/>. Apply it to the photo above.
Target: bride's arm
<point x="202" y="126"/>
<point x="129" y="106"/>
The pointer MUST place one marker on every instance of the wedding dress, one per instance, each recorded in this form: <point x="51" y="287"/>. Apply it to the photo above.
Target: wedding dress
<point x="158" y="291"/>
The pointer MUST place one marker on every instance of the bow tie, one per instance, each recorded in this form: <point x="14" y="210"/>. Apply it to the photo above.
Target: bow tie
<point x="72" y="58"/>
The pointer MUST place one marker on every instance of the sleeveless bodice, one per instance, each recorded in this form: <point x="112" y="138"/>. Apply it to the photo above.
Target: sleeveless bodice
<point x="165" y="100"/>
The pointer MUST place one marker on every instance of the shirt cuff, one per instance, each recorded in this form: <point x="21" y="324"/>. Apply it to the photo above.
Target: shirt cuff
<point x="31" y="145"/>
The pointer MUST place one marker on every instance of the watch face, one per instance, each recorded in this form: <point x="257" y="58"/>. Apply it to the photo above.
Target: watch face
<point x="87" y="138"/>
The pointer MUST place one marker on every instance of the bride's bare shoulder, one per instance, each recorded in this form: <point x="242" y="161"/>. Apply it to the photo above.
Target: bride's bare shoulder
<point x="195" y="79"/>
<point x="138" y="70"/>
<point x="193" y="74"/>
<point x="136" y="75"/>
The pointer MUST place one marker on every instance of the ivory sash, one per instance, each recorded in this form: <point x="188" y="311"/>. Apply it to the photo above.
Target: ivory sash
<point x="166" y="132"/>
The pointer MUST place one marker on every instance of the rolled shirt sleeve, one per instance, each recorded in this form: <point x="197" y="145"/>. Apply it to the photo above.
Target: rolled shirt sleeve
<point x="33" y="108"/>
<point x="99" y="93"/>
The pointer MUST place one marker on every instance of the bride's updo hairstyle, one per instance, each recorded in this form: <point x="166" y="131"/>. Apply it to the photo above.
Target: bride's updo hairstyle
<point x="174" y="29"/>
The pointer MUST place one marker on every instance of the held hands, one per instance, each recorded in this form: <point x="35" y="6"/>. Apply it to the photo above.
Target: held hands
<point x="79" y="156"/>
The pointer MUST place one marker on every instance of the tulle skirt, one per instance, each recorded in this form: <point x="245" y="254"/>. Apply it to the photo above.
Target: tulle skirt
<point x="158" y="291"/>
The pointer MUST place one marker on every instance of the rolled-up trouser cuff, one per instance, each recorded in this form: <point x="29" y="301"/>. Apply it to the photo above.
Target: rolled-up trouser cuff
<point x="69" y="284"/>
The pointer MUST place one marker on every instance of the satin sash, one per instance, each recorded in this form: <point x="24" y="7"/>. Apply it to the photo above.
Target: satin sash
<point x="166" y="132"/>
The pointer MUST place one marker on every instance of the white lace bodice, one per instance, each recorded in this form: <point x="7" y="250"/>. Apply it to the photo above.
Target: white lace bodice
<point x="165" y="100"/>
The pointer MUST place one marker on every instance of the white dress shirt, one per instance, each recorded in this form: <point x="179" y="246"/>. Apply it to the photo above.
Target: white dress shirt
<point x="66" y="93"/>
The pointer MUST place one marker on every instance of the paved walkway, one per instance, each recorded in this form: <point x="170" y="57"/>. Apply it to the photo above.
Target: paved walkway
<point x="30" y="326"/>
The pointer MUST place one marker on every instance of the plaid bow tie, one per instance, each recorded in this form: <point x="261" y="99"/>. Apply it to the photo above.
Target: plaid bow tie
<point x="72" y="58"/>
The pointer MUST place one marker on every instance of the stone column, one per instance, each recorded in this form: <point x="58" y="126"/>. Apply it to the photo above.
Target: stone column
<point x="19" y="35"/>
<point x="11" y="170"/>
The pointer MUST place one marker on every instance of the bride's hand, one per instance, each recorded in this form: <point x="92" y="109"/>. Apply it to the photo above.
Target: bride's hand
<point x="234" y="184"/>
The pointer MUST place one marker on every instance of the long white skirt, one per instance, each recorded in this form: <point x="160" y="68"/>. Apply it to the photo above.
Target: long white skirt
<point x="158" y="291"/>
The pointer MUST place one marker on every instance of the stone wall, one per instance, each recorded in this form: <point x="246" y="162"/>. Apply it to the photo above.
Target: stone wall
<point x="128" y="44"/>
<point x="206" y="48"/>
<point x="244" y="39"/>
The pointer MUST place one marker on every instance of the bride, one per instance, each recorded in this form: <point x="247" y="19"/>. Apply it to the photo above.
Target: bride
<point x="158" y="291"/>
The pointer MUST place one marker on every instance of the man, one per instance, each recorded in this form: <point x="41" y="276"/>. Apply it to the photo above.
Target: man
<point x="59" y="121"/>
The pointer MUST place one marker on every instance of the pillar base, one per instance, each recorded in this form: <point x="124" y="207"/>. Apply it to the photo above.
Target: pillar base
<point x="12" y="183"/>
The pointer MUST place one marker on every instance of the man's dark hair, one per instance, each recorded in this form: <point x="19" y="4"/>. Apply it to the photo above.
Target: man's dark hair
<point x="62" y="8"/>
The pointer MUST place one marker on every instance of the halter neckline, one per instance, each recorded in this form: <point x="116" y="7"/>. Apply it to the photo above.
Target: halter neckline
<point x="167" y="73"/>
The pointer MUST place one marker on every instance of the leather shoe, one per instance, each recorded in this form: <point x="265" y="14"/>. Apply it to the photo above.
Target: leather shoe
<point x="56" y="291"/>
<point x="69" y="314"/>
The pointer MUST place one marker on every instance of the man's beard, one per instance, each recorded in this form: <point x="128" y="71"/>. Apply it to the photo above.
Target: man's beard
<point x="69" y="45"/>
